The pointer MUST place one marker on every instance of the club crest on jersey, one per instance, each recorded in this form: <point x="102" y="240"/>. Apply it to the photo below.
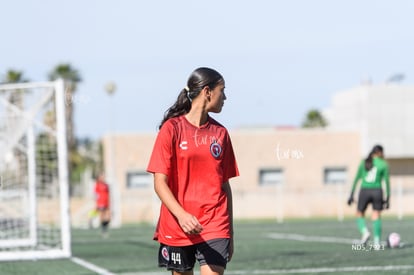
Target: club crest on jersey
<point x="165" y="254"/>
<point x="215" y="149"/>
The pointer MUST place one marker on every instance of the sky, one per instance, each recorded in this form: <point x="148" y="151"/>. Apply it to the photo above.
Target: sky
<point x="279" y="58"/>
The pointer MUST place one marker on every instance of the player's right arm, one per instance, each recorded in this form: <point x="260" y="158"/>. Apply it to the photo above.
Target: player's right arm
<point x="188" y="222"/>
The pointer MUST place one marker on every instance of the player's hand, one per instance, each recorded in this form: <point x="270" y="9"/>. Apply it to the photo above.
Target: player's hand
<point x="351" y="199"/>
<point x="190" y="224"/>
<point x="386" y="203"/>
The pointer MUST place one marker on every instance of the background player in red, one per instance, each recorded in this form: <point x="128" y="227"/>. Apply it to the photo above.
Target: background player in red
<point x="192" y="162"/>
<point x="102" y="203"/>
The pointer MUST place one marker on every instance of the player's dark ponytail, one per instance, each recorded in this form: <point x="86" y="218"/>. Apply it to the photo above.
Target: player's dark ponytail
<point x="181" y="106"/>
<point x="368" y="160"/>
<point x="198" y="79"/>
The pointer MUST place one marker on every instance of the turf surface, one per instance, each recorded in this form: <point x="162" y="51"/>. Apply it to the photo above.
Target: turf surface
<point x="312" y="246"/>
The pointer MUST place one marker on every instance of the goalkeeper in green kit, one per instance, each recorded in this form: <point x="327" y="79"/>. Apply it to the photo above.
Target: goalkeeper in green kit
<point x="372" y="172"/>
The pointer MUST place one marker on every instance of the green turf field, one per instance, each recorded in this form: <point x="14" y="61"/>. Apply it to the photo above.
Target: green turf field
<point x="262" y="247"/>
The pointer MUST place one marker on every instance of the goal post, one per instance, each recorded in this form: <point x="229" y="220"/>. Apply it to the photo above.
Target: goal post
<point x="34" y="186"/>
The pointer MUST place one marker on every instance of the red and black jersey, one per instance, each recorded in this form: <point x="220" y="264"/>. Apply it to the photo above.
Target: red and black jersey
<point x="102" y="194"/>
<point x="197" y="161"/>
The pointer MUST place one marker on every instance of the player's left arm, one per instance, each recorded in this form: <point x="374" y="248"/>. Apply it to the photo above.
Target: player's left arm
<point x="227" y="189"/>
<point x="358" y="176"/>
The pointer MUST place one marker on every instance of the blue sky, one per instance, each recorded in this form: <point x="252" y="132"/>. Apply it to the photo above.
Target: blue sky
<point x="279" y="58"/>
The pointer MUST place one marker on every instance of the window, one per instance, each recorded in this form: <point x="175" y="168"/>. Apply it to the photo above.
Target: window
<point x="335" y="175"/>
<point x="139" y="179"/>
<point x="270" y="176"/>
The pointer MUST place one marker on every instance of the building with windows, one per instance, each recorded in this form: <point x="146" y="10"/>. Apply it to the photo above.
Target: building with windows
<point x="293" y="173"/>
<point x="290" y="172"/>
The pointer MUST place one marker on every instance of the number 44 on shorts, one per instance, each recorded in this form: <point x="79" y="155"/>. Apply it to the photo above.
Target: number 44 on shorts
<point x="176" y="258"/>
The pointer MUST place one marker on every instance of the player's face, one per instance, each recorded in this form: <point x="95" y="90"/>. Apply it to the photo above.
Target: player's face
<point x="217" y="98"/>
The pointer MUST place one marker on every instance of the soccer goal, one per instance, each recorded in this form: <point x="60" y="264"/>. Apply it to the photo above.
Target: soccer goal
<point x="34" y="199"/>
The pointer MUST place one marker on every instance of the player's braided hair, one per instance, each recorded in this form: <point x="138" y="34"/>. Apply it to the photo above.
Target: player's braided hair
<point x="198" y="79"/>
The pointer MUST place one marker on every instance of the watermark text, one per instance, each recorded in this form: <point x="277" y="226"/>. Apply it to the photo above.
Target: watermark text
<point x="288" y="153"/>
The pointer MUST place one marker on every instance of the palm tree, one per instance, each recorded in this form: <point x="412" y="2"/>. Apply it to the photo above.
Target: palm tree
<point x="13" y="76"/>
<point x="72" y="78"/>
<point x="314" y="119"/>
<point x="16" y="96"/>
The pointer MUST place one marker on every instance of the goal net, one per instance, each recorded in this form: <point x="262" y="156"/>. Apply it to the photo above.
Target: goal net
<point x="34" y="199"/>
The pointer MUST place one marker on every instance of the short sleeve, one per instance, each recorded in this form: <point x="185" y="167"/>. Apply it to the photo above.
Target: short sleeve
<point x="230" y="168"/>
<point x="162" y="153"/>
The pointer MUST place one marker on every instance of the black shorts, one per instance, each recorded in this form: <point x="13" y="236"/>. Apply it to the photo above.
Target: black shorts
<point x="367" y="196"/>
<point x="182" y="258"/>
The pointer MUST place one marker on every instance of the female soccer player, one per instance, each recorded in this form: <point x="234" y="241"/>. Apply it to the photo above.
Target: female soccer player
<point x="372" y="172"/>
<point x="102" y="203"/>
<point x="192" y="162"/>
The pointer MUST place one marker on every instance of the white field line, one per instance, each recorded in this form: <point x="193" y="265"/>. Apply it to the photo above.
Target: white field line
<point x="90" y="266"/>
<point x="303" y="238"/>
<point x="302" y="270"/>
<point x="325" y="270"/>
<point x="296" y="237"/>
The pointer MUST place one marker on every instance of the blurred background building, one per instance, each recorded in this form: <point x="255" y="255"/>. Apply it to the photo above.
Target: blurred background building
<point x="293" y="172"/>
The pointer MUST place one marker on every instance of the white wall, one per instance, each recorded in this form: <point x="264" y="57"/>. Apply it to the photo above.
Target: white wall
<point x="381" y="113"/>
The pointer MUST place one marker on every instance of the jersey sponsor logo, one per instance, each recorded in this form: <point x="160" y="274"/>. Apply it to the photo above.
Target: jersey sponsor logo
<point x="215" y="149"/>
<point x="183" y="145"/>
<point x="165" y="254"/>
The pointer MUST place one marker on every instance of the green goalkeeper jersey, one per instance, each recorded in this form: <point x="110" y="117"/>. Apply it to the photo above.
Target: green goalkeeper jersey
<point x="375" y="176"/>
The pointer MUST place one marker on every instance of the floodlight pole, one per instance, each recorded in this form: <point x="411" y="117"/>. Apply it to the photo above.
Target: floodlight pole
<point x="116" y="219"/>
